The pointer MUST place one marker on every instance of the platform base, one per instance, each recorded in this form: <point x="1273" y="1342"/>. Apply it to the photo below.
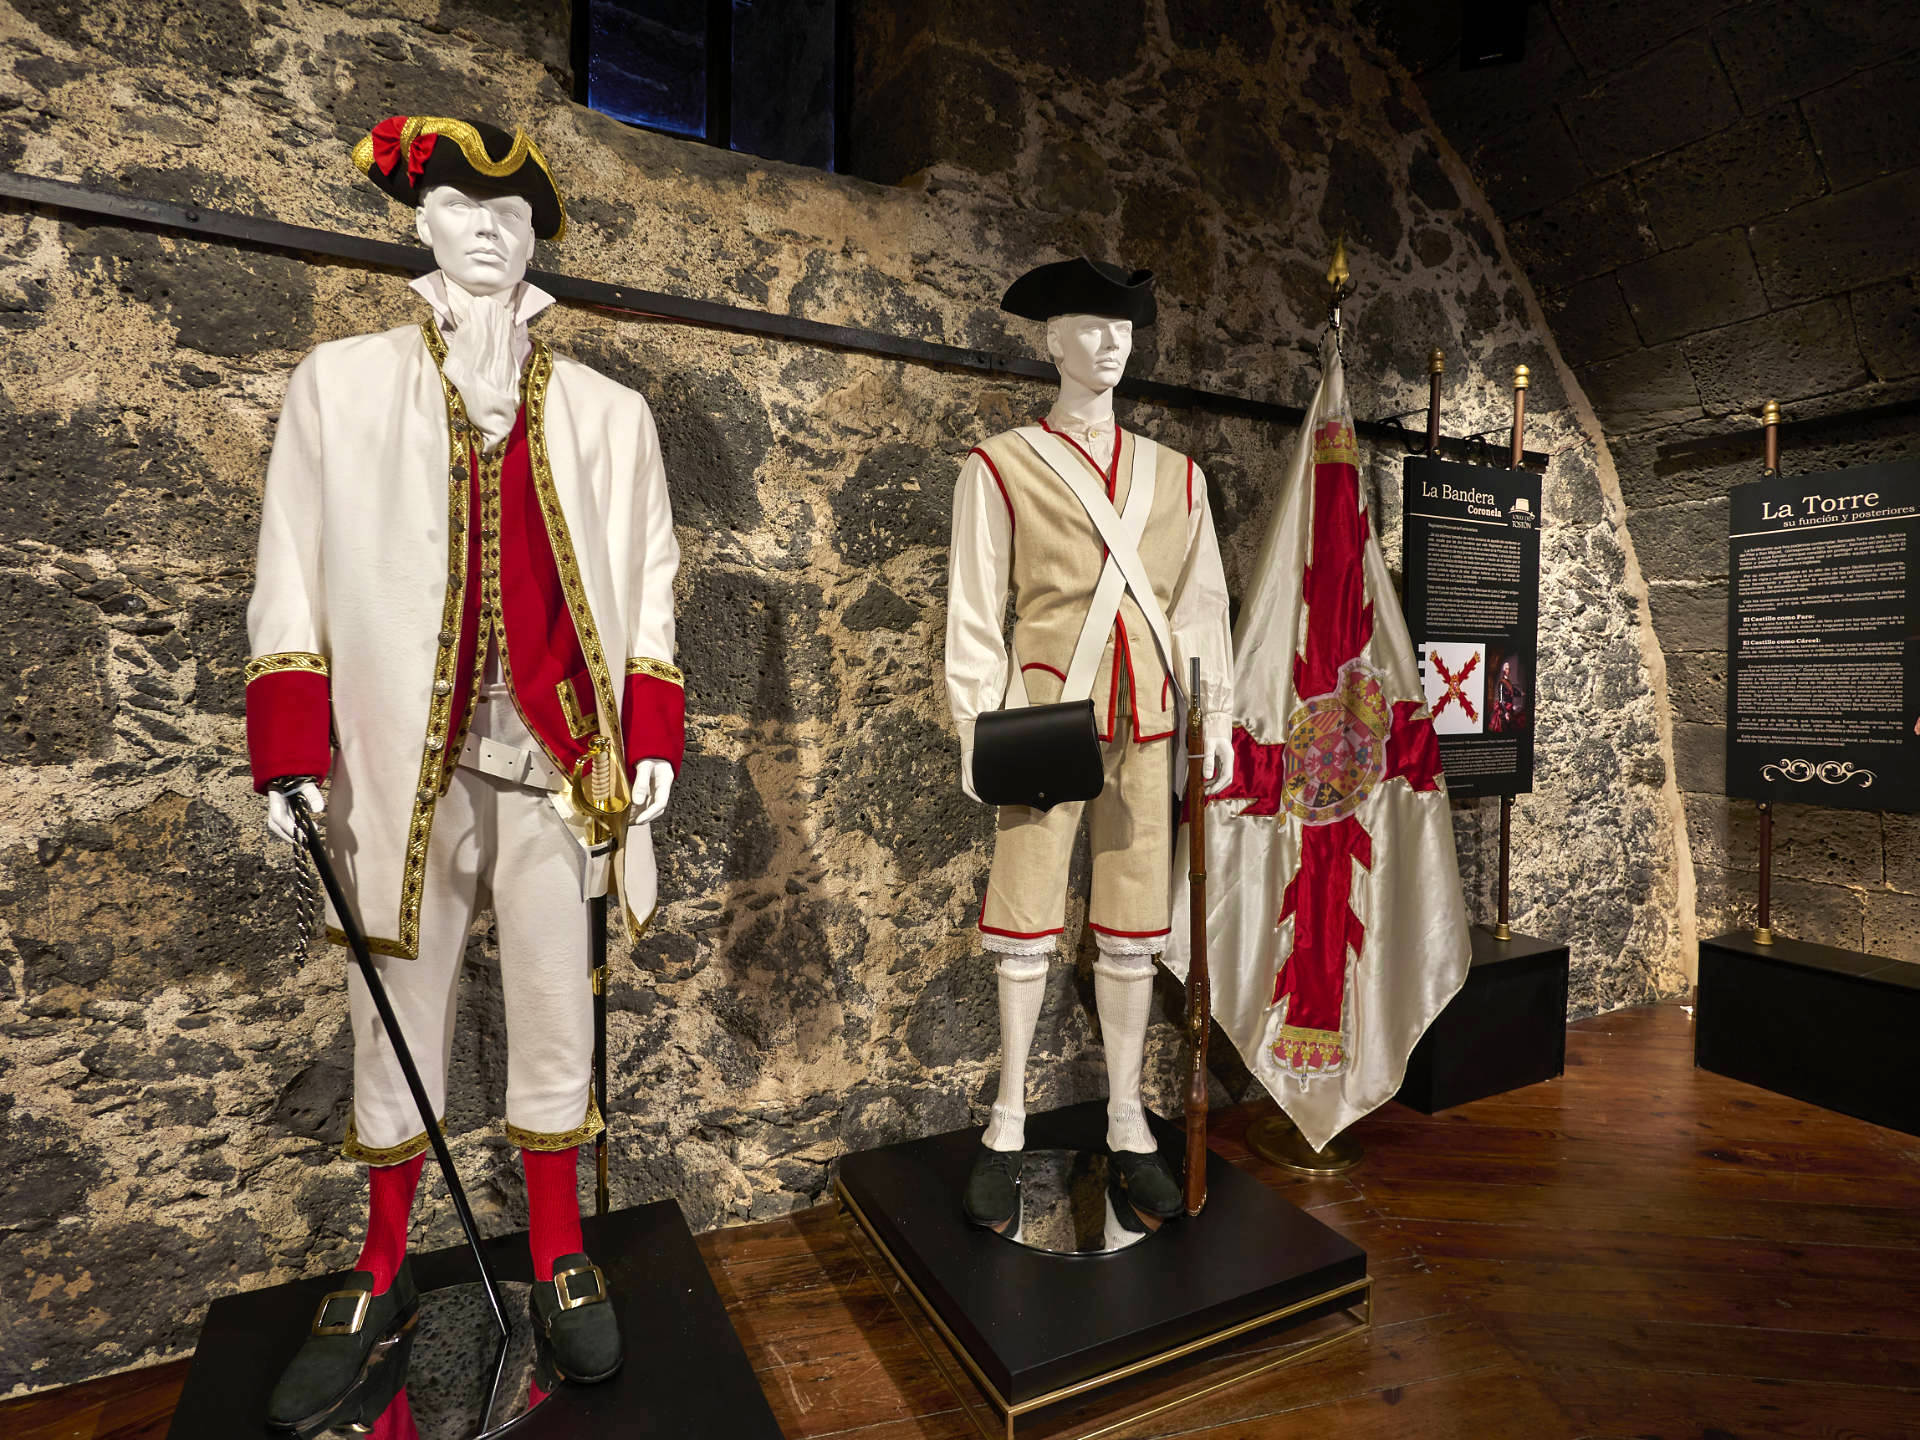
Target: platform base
<point x="686" y="1374"/>
<point x="1278" y="1141"/>
<point x="1829" y="1026"/>
<point x="1038" y="1344"/>
<point x="1506" y="1028"/>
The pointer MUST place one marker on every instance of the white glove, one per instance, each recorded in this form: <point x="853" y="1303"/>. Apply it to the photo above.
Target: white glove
<point x="652" y="785"/>
<point x="1219" y="762"/>
<point x="280" y="813"/>
<point x="966" y="775"/>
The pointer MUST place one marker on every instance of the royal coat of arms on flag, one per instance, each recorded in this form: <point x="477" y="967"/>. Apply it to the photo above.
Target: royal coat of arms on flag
<point x="1337" y="926"/>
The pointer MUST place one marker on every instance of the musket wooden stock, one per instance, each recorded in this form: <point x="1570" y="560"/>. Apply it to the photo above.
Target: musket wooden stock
<point x="1199" y="991"/>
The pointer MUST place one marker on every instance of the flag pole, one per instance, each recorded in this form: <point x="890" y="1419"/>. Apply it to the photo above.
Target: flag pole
<point x="1436" y="366"/>
<point x="1199" y="990"/>
<point x="1502" y="928"/>
<point x="1763" y="926"/>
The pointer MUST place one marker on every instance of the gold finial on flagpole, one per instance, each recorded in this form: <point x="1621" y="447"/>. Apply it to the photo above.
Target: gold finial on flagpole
<point x="1437" y="363"/>
<point x="1522" y="377"/>
<point x="1337" y="275"/>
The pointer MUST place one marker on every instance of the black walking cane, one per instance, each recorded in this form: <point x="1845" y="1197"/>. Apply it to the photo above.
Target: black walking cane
<point x="601" y="792"/>
<point x="357" y="942"/>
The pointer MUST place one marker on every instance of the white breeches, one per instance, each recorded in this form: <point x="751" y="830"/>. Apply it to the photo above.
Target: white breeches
<point x="498" y="842"/>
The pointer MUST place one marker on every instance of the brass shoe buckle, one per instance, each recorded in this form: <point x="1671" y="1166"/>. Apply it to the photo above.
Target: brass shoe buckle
<point x="359" y="1299"/>
<point x="564" y="1291"/>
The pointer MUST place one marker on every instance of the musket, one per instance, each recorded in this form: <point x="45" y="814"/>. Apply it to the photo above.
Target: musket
<point x="363" y="957"/>
<point x="601" y="792"/>
<point x="1199" y="990"/>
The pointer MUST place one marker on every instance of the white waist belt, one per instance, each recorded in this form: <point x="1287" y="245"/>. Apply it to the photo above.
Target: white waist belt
<point x="510" y="763"/>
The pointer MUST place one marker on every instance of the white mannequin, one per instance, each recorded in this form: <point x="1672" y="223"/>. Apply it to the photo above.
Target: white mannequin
<point x="1091" y="353"/>
<point x="482" y="245"/>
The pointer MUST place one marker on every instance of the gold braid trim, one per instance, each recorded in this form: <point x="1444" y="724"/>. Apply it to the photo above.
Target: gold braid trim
<point x="391" y="1155"/>
<point x="659" y="669"/>
<point x="564" y="1139"/>
<point x="301" y="660"/>
<point x="475" y="150"/>
<point x="375" y="945"/>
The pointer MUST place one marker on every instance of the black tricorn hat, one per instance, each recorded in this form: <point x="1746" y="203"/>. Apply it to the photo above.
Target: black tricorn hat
<point x="407" y="155"/>
<point x="1082" y="287"/>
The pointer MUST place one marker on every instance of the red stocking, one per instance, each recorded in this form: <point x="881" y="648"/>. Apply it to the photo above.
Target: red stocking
<point x="389" y="1206"/>
<point x="553" y="1207"/>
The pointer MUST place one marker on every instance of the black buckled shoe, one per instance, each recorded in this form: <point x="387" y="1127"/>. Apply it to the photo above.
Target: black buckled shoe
<point x="354" y="1358"/>
<point x="992" y="1200"/>
<point x="573" y="1318"/>
<point x="1150" y="1186"/>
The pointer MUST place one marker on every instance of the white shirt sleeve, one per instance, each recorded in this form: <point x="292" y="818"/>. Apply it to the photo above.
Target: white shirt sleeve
<point x="979" y="570"/>
<point x="1199" y="617"/>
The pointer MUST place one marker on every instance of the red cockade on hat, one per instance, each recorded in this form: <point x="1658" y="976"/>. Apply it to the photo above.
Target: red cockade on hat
<point x="389" y="136"/>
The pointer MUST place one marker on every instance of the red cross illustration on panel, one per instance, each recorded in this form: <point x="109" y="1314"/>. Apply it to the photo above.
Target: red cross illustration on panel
<point x="1343" y="741"/>
<point x="1456" y="691"/>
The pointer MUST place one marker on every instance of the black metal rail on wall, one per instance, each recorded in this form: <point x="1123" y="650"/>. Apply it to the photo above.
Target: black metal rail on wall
<point x="62" y="196"/>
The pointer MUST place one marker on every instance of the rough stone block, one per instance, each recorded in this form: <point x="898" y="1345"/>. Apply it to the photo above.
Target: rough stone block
<point x="1591" y="320"/>
<point x="1892" y="926"/>
<point x="1700" y="758"/>
<point x="1475" y="105"/>
<point x="53" y="660"/>
<point x="1203" y="24"/>
<point x="1865" y="127"/>
<point x="1723" y="834"/>
<point x="1760" y="166"/>
<point x="1689" y="616"/>
<point x="1824" y="914"/>
<point x="1681" y="542"/>
<point x="1900" y="835"/>
<point x="1788" y="47"/>
<point x="1671" y="98"/>
<point x="950" y="106"/>
<point x="1839" y="242"/>
<point x="1698" y="287"/>
<point x="1530" y="166"/>
<point x="1607" y="34"/>
<point x="1837" y="847"/>
<point x="1886" y="319"/>
<point x="1697" y="686"/>
<point x="1642" y="389"/>
<point x="1596" y="229"/>
<point x="1809" y="350"/>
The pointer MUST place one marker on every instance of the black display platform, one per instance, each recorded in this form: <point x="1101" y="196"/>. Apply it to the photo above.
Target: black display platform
<point x="1032" y="1325"/>
<point x="1832" y="1027"/>
<point x="1506" y="1028"/>
<point x="686" y="1375"/>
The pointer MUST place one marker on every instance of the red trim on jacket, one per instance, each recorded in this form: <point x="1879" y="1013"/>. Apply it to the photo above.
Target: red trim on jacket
<point x="1189" y="484"/>
<point x="994" y="470"/>
<point x="1133" y="686"/>
<point x="987" y="929"/>
<point x="1111" y="475"/>
<point x="289" y="726"/>
<point x="654" y="721"/>
<point x="1042" y="665"/>
<point x="1130" y="934"/>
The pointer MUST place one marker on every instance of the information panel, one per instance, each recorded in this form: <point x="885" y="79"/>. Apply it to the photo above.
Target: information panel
<point x="1470" y="566"/>
<point x="1823" y="693"/>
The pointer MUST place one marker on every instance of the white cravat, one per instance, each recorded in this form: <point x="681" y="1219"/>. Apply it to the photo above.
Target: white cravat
<point x="487" y="344"/>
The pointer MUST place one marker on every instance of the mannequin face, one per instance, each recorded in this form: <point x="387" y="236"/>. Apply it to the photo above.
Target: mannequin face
<point x="1090" y="350"/>
<point x="483" y="243"/>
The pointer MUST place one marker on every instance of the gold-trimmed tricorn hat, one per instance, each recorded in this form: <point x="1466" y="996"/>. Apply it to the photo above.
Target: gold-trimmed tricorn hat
<point x="407" y="155"/>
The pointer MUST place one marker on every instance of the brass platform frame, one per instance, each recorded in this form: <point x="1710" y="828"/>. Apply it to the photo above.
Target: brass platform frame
<point x="1006" y="1415"/>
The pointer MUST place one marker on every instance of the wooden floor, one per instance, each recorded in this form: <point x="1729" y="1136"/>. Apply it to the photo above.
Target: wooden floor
<point x="1638" y="1249"/>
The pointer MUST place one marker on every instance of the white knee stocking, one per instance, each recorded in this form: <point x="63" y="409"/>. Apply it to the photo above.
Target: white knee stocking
<point x="1123" y="991"/>
<point x="1023" y="985"/>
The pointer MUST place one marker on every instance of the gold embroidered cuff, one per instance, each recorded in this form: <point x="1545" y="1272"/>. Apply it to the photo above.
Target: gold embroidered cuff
<point x="563" y="1140"/>
<point x="391" y="1155"/>
<point x="302" y="660"/>
<point x="659" y="669"/>
<point x="375" y="945"/>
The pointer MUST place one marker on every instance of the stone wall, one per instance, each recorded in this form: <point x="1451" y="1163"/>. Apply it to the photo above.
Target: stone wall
<point x="175" y="1053"/>
<point x="1717" y="202"/>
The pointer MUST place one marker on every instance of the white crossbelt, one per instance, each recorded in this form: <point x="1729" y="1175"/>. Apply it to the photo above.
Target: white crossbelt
<point x="510" y="763"/>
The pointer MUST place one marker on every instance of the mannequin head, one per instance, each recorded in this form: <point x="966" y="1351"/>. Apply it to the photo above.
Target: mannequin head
<point x="482" y="242"/>
<point x="1090" y="351"/>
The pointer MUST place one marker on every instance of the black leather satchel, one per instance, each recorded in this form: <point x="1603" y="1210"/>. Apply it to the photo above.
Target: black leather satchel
<point x="1037" y="755"/>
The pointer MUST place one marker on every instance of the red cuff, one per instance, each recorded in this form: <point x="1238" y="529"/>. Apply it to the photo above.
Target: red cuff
<point x="289" y="726"/>
<point x="654" y="721"/>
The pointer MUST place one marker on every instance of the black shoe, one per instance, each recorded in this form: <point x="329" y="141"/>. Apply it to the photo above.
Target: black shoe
<point x="352" y="1344"/>
<point x="1151" y="1188"/>
<point x="573" y="1318"/>
<point x="993" y="1188"/>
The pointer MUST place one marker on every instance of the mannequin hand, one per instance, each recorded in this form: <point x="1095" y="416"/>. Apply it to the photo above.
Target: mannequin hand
<point x="652" y="785"/>
<point x="280" y="814"/>
<point x="1219" y="761"/>
<point x="966" y="775"/>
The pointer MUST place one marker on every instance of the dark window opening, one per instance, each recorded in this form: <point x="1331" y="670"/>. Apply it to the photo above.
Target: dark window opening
<point x="767" y="77"/>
